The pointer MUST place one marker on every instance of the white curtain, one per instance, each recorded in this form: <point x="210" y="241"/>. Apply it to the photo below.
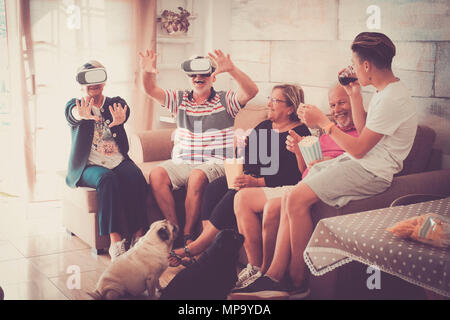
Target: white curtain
<point x="66" y="34"/>
<point x="20" y="175"/>
<point x="145" y="30"/>
<point x="47" y="41"/>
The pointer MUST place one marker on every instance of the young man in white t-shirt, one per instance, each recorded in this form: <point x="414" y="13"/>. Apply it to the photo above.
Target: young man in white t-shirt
<point x="386" y="131"/>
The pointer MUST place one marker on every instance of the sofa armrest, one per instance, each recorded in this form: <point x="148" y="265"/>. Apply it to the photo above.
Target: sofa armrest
<point x="435" y="162"/>
<point x="151" y="145"/>
<point x="432" y="182"/>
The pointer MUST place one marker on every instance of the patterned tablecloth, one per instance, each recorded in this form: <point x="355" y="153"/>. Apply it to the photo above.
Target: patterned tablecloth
<point x="363" y="237"/>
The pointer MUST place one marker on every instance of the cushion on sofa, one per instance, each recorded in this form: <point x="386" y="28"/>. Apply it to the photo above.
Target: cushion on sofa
<point x="151" y="145"/>
<point x="84" y="197"/>
<point x="250" y="116"/>
<point x="419" y="156"/>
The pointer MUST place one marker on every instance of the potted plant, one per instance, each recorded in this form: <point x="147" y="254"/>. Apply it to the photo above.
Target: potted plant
<point x="175" y="23"/>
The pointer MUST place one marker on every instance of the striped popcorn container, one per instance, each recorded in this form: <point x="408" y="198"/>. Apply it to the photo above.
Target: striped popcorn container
<point x="310" y="149"/>
<point x="233" y="168"/>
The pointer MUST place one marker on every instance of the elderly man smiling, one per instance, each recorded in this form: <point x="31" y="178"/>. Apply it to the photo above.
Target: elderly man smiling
<point x="341" y="111"/>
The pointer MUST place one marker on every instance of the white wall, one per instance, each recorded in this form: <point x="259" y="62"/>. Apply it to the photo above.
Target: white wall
<point x="308" y="41"/>
<point x="209" y="29"/>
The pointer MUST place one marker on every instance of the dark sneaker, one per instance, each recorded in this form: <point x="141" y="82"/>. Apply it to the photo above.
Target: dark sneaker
<point x="298" y="293"/>
<point x="262" y="288"/>
<point x="295" y="293"/>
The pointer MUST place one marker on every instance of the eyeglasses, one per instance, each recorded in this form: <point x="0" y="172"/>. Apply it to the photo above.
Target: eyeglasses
<point x="201" y="75"/>
<point x="275" y="101"/>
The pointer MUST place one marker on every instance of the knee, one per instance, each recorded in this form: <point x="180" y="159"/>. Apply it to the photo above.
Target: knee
<point x="159" y="176"/>
<point x="271" y="213"/>
<point x="109" y="178"/>
<point x="297" y="204"/>
<point x="240" y="203"/>
<point x="197" y="181"/>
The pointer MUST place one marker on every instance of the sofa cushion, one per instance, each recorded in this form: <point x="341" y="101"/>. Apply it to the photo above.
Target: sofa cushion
<point x="250" y="116"/>
<point x="151" y="145"/>
<point x="83" y="197"/>
<point x="419" y="156"/>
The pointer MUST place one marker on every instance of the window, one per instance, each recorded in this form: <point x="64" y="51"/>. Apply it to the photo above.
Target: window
<point x="65" y="35"/>
<point x="5" y="107"/>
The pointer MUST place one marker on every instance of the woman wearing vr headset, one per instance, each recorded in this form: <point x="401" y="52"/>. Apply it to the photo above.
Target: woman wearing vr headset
<point x="99" y="159"/>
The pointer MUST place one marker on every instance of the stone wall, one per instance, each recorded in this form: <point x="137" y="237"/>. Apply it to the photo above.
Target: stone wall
<point x="308" y="42"/>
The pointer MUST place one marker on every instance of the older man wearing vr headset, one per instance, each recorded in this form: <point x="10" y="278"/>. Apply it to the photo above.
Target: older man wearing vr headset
<point x="204" y="135"/>
<point x="99" y="159"/>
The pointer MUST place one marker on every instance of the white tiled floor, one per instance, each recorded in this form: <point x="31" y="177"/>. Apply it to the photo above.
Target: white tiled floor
<point x="37" y="256"/>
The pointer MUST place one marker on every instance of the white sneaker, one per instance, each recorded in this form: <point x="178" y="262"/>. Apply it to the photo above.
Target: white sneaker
<point x="116" y="249"/>
<point x="246" y="274"/>
<point x="249" y="281"/>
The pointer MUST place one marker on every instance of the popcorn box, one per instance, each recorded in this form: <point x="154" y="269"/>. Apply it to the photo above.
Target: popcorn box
<point x="233" y="168"/>
<point x="310" y="149"/>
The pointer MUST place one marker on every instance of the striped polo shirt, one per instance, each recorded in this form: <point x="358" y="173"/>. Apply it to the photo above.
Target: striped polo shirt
<point x="204" y="131"/>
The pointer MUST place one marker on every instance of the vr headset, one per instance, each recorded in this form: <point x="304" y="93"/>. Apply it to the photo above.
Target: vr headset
<point x="92" y="75"/>
<point x="197" y="66"/>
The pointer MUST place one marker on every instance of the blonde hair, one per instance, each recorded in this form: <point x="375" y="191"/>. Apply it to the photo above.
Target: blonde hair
<point x="294" y="96"/>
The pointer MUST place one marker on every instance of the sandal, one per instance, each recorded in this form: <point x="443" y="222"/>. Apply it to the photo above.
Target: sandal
<point x="180" y="259"/>
<point x="189" y="256"/>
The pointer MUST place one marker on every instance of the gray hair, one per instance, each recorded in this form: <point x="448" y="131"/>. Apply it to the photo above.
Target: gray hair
<point x="91" y="64"/>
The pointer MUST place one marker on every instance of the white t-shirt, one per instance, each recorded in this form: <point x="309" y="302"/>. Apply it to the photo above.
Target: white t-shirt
<point x="104" y="151"/>
<point x="391" y="112"/>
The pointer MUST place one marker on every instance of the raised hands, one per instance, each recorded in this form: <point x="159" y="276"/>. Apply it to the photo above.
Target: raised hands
<point x="84" y="109"/>
<point x="148" y="61"/>
<point x="118" y="113"/>
<point x="223" y="62"/>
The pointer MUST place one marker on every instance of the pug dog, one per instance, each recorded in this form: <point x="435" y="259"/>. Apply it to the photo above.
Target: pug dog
<point x="140" y="267"/>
